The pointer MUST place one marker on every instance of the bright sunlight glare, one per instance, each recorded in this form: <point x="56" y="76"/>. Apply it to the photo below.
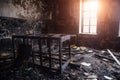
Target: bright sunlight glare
<point x="91" y="5"/>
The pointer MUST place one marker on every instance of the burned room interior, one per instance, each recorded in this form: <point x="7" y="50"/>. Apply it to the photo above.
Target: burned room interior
<point x="59" y="39"/>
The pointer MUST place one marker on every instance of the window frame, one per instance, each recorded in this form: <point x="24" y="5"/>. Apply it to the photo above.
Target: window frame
<point x="82" y="18"/>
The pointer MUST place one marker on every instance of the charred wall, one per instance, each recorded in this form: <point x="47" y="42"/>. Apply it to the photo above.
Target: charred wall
<point x="57" y="16"/>
<point x="66" y="18"/>
<point x="34" y="14"/>
<point x="61" y="16"/>
<point x="25" y="9"/>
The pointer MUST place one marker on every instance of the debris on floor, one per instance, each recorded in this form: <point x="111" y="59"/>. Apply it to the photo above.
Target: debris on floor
<point x="87" y="64"/>
<point x="107" y="77"/>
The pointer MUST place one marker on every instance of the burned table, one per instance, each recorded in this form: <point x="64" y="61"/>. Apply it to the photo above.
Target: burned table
<point x="54" y="56"/>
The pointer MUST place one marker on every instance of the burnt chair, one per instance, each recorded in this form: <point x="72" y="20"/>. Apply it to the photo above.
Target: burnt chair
<point x="23" y="54"/>
<point x="21" y="58"/>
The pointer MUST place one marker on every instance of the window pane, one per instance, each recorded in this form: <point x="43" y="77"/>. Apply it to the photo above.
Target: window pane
<point x="86" y="14"/>
<point x="86" y="21"/>
<point x="93" y="21"/>
<point x="86" y="29"/>
<point x="93" y="29"/>
<point x="89" y="16"/>
<point x="86" y="6"/>
<point x="93" y="5"/>
<point x="93" y="14"/>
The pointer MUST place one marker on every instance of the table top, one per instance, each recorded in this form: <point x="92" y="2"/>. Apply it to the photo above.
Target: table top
<point x="62" y="37"/>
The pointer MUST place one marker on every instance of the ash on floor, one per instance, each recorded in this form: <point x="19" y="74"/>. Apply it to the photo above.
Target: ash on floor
<point x="87" y="64"/>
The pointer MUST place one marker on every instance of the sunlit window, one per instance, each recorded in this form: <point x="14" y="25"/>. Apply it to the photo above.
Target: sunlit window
<point x="88" y="16"/>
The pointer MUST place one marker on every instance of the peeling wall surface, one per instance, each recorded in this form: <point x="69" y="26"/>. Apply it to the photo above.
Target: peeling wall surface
<point x="30" y="12"/>
<point x="25" y="9"/>
<point x="8" y="10"/>
<point x="61" y="15"/>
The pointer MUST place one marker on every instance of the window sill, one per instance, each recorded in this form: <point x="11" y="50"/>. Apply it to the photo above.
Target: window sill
<point x="87" y="34"/>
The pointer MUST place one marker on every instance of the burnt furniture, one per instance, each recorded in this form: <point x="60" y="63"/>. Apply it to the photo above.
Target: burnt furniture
<point x="48" y="49"/>
<point x="10" y="66"/>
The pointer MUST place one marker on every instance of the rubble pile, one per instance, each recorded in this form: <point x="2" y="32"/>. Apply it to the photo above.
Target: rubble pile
<point x="87" y="64"/>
